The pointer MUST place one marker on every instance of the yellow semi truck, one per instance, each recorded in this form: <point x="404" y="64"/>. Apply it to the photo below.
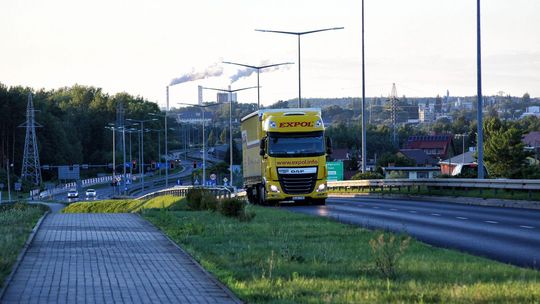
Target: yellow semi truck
<point x="284" y="156"/>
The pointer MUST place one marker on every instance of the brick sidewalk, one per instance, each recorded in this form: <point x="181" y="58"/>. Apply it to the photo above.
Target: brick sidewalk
<point x="108" y="258"/>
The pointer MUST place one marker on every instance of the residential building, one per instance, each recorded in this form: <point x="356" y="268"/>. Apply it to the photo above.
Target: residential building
<point x="438" y="146"/>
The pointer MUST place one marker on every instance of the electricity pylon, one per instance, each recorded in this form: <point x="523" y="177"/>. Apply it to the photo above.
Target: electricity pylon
<point x="393" y="103"/>
<point x="31" y="169"/>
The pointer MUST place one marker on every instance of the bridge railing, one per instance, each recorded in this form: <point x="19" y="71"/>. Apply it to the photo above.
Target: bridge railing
<point x="219" y="192"/>
<point x="439" y="183"/>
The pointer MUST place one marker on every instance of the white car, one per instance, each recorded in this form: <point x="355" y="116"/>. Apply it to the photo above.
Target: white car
<point x="73" y="193"/>
<point x="91" y="193"/>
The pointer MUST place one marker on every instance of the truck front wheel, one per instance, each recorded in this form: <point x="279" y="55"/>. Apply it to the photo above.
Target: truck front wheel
<point x="261" y="195"/>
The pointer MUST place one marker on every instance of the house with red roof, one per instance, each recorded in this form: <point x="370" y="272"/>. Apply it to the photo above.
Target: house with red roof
<point x="438" y="146"/>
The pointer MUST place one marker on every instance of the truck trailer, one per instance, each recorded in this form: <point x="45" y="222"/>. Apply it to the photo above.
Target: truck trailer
<point x="284" y="156"/>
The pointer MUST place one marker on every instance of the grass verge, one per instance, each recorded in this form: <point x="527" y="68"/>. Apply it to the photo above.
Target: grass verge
<point x="121" y="206"/>
<point x="283" y="257"/>
<point x="16" y="223"/>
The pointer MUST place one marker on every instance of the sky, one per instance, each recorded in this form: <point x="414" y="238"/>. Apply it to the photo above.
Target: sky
<point x="425" y="47"/>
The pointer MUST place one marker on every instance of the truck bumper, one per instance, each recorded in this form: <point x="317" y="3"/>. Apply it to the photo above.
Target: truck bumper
<point x="279" y="195"/>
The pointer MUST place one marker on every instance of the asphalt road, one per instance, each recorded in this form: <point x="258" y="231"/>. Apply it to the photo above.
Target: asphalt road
<point x="503" y="234"/>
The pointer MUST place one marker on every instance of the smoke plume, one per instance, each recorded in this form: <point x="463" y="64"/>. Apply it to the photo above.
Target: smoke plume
<point x="246" y="72"/>
<point x="211" y="71"/>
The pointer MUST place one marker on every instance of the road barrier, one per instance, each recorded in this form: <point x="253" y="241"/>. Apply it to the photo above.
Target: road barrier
<point x="529" y="185"/>
<point x="219" y="192"/>
<point x="62" y="188"/>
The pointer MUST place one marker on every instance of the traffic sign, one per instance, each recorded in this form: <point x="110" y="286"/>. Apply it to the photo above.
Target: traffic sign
<point x="1" y="186"/>
<point x="213" y="176"/>
<point x="18" y="186"/>
<point x="335" y="171"/>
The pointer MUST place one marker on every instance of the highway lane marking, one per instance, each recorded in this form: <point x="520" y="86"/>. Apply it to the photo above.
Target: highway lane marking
<point x="461" y="218"/>
<point x="435" y="214"/>
<point x="392" y="209"/>
<point x="527" y="227"/>
<point x="412" y="211"/>
<point x="375" y="207"/>
<point x="491" y="222"/>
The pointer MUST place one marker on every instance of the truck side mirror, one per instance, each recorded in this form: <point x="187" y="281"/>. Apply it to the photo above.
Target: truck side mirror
<point x="262" y="146"/>
<point x="328" y="145"/>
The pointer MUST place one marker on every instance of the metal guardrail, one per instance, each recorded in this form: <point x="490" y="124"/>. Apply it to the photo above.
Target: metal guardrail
<point x="451" y="183"/>
<point x="219" y="192"/>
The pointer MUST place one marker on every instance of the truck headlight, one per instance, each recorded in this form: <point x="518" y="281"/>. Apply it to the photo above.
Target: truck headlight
<point x="274" y="188"/>
<point x="321" y="187"/>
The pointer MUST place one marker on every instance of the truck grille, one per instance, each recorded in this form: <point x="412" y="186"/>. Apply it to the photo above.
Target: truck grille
<point x="297" y="183"/>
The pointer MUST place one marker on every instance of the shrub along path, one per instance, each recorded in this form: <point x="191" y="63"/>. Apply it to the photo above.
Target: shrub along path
<point x="109" y="258"/>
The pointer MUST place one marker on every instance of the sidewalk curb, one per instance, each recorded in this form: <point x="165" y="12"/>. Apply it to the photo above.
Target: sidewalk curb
<point x="476" y="201"/>
<point x="21" y="255"/>
<point x="192" y="259"/>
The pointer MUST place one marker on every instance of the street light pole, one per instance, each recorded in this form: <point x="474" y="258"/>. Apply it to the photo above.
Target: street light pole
<point x="364" y="159"/>
<point x="299" y="62"/>
<point x="141" y="154"/>
<point x="166" y="151"/>
<point x="479" y="127"/>
<point x="258" y="68"/>
<point x="230" y="125"/>
<point x="201" y="107"/>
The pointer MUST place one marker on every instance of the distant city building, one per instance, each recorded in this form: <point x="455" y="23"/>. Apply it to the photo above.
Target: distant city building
<point x="426" y="114"/>
<point x="531" y="111"/>
<point x="223" y="97"/>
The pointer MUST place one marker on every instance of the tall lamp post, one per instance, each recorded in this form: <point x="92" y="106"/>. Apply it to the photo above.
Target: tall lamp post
<point x="230" y="125"/>
<point x="258" y="68"/>
<point x="479" y="128"/>
<point x="158" y="131"/>
<point x="299" y="34"/>
<point x="364" y="160"/>
<point x="201" y="107"/>
<point x="166" y="141"/>
<point x="113" y="129"/>
<point x="141" y="123"/>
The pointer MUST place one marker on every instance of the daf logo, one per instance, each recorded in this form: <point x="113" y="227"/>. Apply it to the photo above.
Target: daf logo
<point x="305" y="170"/>
<point x="296" y="171"/>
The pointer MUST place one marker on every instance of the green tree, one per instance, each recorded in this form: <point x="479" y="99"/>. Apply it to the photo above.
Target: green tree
<point x="211" y="139"/>
<point x="223" y="136"/>
<point x="503" y="149"/>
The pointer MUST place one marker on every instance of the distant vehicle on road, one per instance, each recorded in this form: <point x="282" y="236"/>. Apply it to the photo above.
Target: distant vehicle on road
<point x="73" y="193"/>
<point x="91" y="193"/>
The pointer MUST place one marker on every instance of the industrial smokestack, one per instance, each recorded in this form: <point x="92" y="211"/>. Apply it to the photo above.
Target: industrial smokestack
<point x="200" y="95"/>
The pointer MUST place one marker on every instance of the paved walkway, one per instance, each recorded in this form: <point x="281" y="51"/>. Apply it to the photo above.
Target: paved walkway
<point x="108" y="258"/>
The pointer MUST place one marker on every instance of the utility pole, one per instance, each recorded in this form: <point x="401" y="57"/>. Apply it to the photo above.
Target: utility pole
<point x="31" y="169"/>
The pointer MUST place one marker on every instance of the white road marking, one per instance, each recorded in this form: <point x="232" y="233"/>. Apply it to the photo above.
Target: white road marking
<point x="392" y="209"/>
<point x="491" y="222"/>
<point x="412" y="211"/>
<point x="375" y="207"/>
<point x="461" y="218"/>
<point x="435" y="214"/>
<point x="528" y="227"/>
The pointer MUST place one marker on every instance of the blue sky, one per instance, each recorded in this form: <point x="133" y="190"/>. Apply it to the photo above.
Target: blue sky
<point x="424" y="46"/>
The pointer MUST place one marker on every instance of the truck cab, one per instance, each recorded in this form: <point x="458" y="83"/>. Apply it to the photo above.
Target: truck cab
<point x="284" y="156"/>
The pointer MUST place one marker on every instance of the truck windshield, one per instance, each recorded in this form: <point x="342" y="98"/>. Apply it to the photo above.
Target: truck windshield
<point x="295" y="144"/>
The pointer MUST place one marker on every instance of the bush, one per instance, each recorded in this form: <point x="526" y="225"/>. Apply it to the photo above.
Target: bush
<point x="194" y="198"/>
<point x="232" y="207"/>
<point x="209" y="202"/>
<point x="367" y="175"/>
<point x="386" y="252"/>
